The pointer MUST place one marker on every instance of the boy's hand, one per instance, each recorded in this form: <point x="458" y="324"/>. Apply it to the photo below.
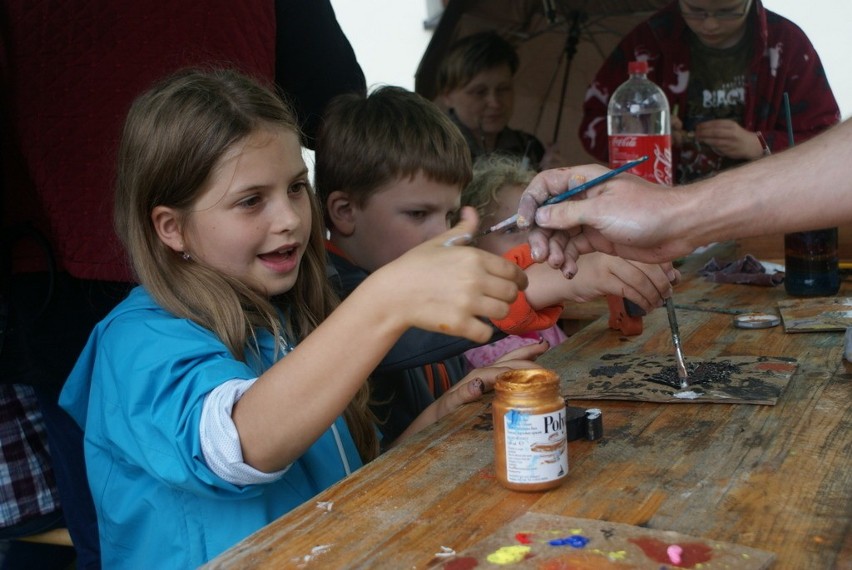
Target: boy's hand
<point x="468" y="389"/>
<point x="449" y="288"/>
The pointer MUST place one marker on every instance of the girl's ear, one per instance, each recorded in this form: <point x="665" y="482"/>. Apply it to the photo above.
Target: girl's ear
<point x="341" y="213"/>
<point x="168" y="227"/>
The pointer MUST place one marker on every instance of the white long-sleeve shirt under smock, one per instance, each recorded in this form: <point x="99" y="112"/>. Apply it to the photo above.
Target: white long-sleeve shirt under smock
<point x="220" y="440"/>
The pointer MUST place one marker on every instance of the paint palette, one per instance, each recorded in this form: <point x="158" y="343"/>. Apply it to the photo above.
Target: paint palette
<point x="556" y="542"/>
<point x="819" y="314"/>
<point x="653" y="378"/>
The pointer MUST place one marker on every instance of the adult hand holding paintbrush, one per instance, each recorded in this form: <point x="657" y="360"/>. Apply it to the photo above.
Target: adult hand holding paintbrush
<point x="513" y="221"/>
<point x="518" y="219"/>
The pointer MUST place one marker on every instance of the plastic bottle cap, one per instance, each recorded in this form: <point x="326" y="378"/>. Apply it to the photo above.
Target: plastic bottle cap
<point x="635" y="67"/>
<point x="756" y="321"/>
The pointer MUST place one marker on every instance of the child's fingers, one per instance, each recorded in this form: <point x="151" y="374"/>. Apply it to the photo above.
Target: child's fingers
<point x="526" y="352"/>
<point x="462" y="233"/>
<point x="647" y="285"/>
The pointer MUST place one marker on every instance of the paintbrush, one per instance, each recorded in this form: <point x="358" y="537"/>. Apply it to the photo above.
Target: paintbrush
<point x="681" y="365"/>
<point x="512" y="221"/>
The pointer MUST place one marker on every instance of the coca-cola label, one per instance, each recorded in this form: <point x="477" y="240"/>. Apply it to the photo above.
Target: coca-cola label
<point x="658" y="148"/>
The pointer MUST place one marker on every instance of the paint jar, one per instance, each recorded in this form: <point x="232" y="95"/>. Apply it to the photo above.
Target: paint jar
<point x="530" y="443"/>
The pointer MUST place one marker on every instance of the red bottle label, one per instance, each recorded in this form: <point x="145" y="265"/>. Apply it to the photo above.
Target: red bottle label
<point x="658" y="148"/>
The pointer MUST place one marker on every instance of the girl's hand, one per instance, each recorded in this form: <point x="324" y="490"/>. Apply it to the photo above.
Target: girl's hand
<point x="647" y="285"/>
<point x="526" y="353"/>
<point x="599" y="274"/>
<point x="443" y="286"/>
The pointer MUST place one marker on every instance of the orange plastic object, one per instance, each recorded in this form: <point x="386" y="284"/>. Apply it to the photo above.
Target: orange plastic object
<point x="620" y="319"/>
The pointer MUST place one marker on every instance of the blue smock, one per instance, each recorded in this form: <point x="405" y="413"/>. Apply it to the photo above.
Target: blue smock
<point x="137" y="390"/>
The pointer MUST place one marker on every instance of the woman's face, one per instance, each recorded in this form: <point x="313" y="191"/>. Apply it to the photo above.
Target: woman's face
<point x="253" y="221"/>
<point x="486" y="103"/>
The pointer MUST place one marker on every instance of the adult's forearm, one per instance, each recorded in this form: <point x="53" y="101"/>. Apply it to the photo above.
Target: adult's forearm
<point x="803" y="188"/>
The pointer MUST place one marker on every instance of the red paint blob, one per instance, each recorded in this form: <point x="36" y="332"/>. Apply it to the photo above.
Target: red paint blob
<point x="464" y="563"/>
<point x="523" y="538"/>
<point x="693" y="552"/>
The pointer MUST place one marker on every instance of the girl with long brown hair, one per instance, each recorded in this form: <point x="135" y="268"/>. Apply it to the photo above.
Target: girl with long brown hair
<point x="230" y="386"/>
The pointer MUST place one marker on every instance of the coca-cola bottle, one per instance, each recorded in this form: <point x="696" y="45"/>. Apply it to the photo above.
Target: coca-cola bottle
<point x="639" y="124"/>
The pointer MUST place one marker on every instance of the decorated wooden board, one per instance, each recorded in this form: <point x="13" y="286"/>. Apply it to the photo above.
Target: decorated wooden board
<point x="816" y="314"/>
<point x="555" y="542"/>
<point x="653" y="378"/>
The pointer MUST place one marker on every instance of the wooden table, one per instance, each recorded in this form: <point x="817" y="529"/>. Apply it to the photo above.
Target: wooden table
<point x="777" y="478"/>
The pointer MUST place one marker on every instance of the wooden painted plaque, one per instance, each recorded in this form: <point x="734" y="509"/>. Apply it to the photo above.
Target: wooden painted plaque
<point x="555" y="542"/>
<point x="653" y="378"/>
<point x="817" y="314"/>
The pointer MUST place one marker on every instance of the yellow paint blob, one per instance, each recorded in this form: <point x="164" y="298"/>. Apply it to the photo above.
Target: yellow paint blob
<point x="614" y="555"/>
<point x="508" y="554"/>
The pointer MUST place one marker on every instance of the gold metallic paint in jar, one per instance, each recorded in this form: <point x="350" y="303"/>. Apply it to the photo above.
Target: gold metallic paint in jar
<point x="530" y="444"/>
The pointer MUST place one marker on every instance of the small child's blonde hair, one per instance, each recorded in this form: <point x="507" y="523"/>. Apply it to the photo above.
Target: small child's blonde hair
<point x="491" y="173"/>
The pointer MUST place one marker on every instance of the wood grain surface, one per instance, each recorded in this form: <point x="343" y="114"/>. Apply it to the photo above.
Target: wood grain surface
<point x="776" y="478"/>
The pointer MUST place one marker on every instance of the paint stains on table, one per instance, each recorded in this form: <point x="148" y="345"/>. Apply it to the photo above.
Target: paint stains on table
<point x="552" y="542"/>
<point x="653" y="378"/>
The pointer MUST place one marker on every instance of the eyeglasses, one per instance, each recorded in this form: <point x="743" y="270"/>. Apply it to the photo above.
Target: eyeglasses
<point x="723" y="15"/>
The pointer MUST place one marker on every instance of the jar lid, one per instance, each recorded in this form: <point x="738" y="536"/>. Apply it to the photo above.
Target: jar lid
<point x="756" y="321"/>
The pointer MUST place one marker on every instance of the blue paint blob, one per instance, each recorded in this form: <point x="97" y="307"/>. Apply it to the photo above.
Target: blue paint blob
<point x="514" y="418"/>
<point x="574" y="541"/>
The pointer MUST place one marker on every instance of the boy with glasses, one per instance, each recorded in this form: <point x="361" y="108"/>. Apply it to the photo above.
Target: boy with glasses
<point x="724" y="66"/>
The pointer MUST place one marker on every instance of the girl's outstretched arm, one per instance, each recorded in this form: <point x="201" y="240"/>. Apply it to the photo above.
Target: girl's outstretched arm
<point x="433" y="287"/>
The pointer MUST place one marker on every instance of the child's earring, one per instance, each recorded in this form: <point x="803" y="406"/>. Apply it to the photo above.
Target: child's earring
<point x="186" y="256"/>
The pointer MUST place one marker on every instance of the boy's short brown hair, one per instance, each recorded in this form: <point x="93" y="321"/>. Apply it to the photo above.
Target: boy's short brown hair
<point x="472" y="55"/>
<point x="367" y="142"/>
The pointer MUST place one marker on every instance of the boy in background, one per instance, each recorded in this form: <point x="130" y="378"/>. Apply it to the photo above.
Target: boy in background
<point x="389" y="173"/>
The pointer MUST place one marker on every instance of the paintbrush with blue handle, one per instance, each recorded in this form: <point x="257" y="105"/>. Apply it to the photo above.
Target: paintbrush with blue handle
<point x="512" y="221"/>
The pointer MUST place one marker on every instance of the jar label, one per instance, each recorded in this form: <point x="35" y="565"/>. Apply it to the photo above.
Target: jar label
<point x="658" y="168"/>
<point x="536" y="446"/>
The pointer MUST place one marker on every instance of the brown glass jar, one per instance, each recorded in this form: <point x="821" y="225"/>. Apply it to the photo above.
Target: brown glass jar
<point x="530" y="444"/>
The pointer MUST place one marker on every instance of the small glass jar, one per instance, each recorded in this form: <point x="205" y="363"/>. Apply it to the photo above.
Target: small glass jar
<point x="530" y="444"/>
<point x="811" y="263"/>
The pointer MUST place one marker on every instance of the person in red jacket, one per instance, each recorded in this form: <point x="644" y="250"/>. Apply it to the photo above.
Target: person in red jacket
<point x="724" y="66"/>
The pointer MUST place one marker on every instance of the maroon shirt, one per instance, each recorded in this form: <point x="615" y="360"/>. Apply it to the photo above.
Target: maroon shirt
<point x="67" y="87"/>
